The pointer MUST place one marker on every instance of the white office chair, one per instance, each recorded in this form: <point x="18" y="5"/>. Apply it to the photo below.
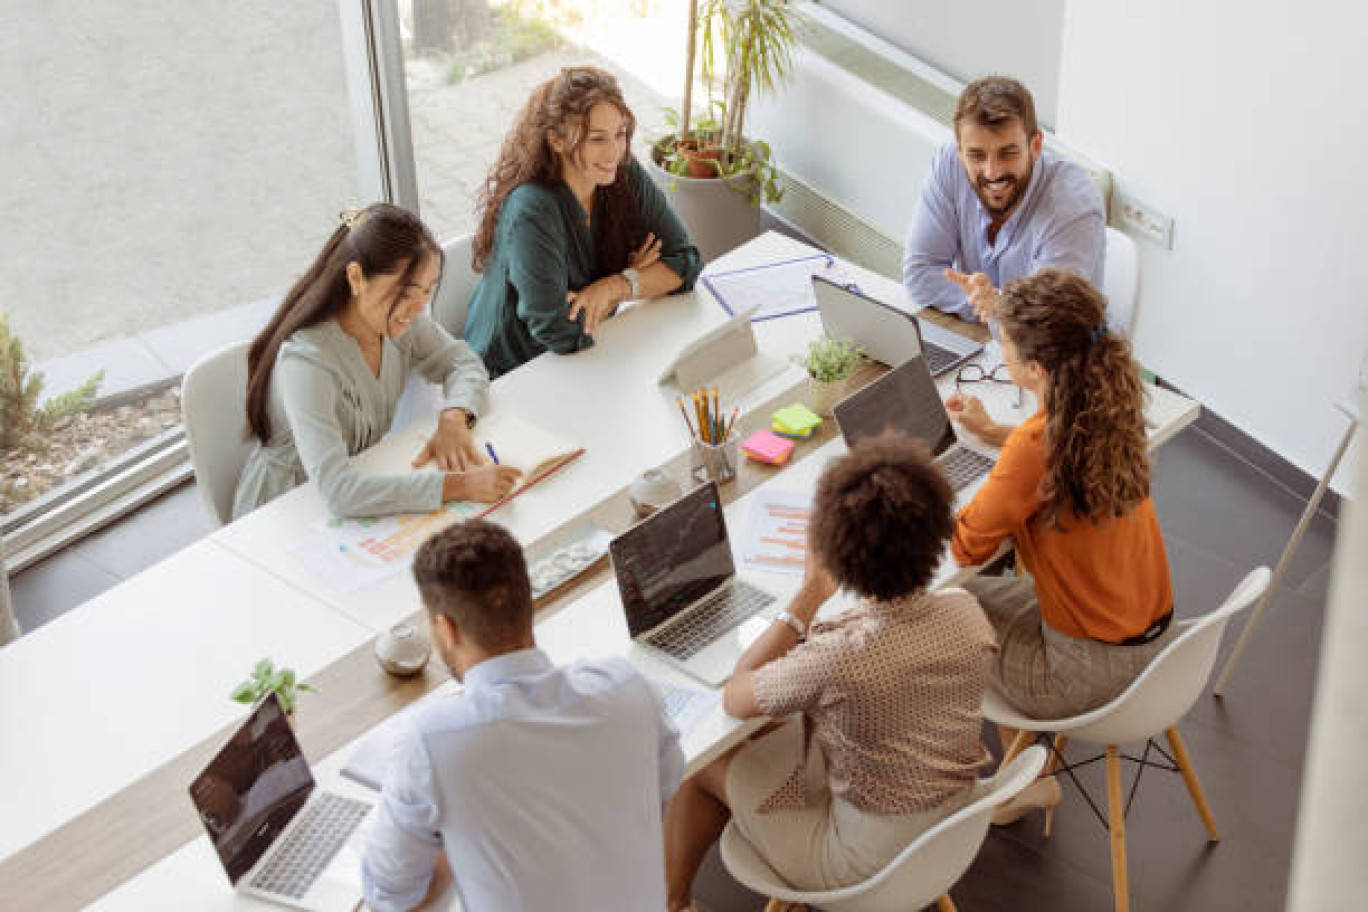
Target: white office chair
<point x="214" y="403"/>
<point x="1121" y="282"/>
<point x="458" y="283"/>
<point x="921" y="874"/>
<point x="1153" y="703"/>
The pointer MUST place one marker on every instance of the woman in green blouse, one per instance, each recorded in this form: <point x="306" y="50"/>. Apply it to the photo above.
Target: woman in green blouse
<point x="570" y="226"/>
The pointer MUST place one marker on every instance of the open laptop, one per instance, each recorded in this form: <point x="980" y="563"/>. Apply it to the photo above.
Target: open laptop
<point x="679" y="588"/>
<point x="887" y="334"/>
<point x="906" y="400"/>
<point x="277" y="836"/>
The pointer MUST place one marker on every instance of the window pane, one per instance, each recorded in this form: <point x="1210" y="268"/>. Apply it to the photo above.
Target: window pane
<point x="471" y="65"/>
<point x="164" y="161"/>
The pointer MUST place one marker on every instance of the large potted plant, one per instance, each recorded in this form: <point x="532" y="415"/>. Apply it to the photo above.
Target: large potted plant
<point x="716" y="176"/>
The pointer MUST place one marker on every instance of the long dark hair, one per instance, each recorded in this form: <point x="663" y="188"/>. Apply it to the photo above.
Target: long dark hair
<point x="1096" y="457"/>
<point x="561" y="105"/>
<point x="384" y="240"/>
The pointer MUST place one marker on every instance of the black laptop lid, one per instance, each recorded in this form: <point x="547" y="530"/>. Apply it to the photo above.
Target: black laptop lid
<point x="906" y="400"/>
<point x="672" y="558"/>
<point x="252" y="789"/>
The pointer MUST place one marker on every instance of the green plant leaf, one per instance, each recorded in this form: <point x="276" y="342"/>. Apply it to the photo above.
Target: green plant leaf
<point x="244" y="693"/>
<point x="262" y="669"/>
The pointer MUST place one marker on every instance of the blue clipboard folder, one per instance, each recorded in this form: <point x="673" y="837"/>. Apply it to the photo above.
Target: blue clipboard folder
<point x="775" y="289"/>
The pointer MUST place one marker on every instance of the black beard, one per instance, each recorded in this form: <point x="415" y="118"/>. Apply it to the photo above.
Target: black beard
<point x="1006" y="207"/>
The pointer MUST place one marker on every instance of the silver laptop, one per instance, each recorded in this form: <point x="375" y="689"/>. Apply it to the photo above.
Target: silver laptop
<point x="277" y="836"/>
<point x="906" y="400"/>
<point x="887" y="334"/>
<point x="679" y="588"/>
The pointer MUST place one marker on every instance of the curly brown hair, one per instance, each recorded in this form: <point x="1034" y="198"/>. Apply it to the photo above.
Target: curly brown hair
<point x="882" y="516"/>
<point x="474" y="573"/>
<point x="561" y="106"/>
<point x="1096" y="456"/>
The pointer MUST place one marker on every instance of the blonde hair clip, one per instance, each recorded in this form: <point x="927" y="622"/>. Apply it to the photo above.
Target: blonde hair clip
<point x="351" y="217"/>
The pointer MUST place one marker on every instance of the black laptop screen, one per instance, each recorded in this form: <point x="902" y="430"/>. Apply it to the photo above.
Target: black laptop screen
<point x="252" y="789"/>
<point x="672" y="559"/>
<point x="904" y="400"/>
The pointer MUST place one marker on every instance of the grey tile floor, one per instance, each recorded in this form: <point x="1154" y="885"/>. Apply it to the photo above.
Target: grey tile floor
<point x="1221" y="517"/>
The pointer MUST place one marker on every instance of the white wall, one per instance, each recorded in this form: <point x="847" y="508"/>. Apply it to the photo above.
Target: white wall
<point x="972" y="38"/>
<point x="1248" y="123"/>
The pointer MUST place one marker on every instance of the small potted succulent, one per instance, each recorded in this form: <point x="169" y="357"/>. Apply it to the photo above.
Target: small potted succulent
<point x="829" y="365"/>
<point x="267" y="679"/>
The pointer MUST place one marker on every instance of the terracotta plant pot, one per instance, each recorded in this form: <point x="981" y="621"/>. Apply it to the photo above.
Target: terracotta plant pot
<point x="717" y="213"/>
<point x="701" y="161"/>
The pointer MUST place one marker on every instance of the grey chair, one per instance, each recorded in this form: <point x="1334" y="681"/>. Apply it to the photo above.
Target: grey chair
<point x="452" y="303"/>
<point x="214" y="401"/>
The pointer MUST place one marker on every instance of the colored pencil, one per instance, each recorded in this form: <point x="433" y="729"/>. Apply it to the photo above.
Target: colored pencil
<point x="685" y="415"/>
<point x="731" y="424"/>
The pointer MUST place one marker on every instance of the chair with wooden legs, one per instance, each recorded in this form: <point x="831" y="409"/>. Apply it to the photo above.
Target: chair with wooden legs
<point x="1152" y="704"/>
<point x="920" y="875"/>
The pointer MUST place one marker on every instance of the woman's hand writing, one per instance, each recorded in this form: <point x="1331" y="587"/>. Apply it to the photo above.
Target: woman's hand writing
<point x="452" y="446"/>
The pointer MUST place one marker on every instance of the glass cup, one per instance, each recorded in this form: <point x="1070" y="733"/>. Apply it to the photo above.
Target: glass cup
<point x="716" y="461"/>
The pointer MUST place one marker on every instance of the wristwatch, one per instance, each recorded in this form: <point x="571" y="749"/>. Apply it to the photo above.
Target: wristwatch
<point x="788" y="617"/>
<point x="633" y="278"/>
<point x="469" y="415"/>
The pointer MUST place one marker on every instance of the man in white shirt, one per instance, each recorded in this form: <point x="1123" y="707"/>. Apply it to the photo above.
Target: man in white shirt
<point x="542" y="787"/>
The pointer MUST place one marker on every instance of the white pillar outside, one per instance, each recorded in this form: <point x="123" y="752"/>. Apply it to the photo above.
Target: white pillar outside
<point x="9" y="627"/>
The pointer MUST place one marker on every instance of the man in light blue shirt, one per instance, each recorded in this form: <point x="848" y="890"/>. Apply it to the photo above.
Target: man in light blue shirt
<point x="542" y="787"/>
<point x="997" y="207"/>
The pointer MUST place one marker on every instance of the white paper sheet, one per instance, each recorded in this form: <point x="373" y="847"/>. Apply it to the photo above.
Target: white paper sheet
<point x="776" y="532"/>
<point x="350" y="554"/>
<point x="775" y="289"/>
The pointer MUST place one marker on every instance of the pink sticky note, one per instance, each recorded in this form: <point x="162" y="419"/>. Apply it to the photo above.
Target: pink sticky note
<point x="766" y="446"/>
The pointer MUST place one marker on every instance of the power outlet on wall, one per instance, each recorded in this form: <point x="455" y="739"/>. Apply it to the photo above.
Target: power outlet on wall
<point x="1134" y="214"/>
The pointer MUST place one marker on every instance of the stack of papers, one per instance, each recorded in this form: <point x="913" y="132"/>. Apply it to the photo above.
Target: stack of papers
<point x="795" y="421"/>
<point x="767" y="447"/>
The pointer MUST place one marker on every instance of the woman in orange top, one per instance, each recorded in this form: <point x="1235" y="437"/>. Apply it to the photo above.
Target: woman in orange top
<point x="1072" y="488"/>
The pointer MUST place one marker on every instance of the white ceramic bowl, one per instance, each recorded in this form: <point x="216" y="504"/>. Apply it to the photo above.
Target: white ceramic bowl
<point x="653" y="490"/>
<point x="402" y="650"/>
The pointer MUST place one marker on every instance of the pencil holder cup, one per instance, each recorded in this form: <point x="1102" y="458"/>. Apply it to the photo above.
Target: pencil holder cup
<point x="715" y="461"/>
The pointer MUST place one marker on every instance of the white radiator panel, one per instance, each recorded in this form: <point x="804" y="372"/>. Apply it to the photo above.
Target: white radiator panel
<point x="849" y="141"/>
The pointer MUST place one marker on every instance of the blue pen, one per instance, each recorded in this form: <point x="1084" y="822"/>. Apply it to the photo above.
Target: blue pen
<point x="492" y="455"/>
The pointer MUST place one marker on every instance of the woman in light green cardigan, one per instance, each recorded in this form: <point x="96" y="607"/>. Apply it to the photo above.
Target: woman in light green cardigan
<point x="570" y="226"/>
<point x="326" y="373"/>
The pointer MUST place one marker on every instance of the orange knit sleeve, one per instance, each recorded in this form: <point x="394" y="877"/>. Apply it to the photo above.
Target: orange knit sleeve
<point x="1008" y="498"/>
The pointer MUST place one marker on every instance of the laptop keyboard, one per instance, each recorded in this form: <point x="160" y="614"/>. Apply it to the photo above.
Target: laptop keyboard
<point x="938" y="358"/>
<point x="963" y="466"/>
<point x="710" y="619"/>
<point x="325" y="826"/>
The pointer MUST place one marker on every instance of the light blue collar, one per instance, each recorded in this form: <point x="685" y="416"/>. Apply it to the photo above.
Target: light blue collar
<point x="517" y="664"/>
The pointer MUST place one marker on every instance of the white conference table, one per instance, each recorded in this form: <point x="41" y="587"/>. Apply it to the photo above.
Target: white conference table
<point x="110" y="691"/>
<point x="592" y="626"/>
<point x="605" y="399"/>
<point x="209" y="612"/>
<point x="104" y="695"/>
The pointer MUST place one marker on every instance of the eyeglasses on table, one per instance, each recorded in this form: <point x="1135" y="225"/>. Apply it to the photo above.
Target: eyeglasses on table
<point x="974" y="373"/>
